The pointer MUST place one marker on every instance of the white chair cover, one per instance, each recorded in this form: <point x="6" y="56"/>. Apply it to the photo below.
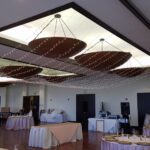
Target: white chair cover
<point x="147" y="120"/>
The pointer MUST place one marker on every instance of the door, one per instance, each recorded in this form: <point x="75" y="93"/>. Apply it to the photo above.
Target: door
<point x="32" y="103"/>
<point x="85" y="108"/>
<point x="143" y="106"/>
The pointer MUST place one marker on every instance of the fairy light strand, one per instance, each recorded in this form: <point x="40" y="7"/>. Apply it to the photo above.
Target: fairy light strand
<point x="39" y="58"/>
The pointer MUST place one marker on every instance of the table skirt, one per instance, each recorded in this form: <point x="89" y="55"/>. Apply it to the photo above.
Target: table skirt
<point x="106" y="145"/>
<point x="19" y="122"/>
<point x="146" y="131"/>
<point x="44" y="137"/>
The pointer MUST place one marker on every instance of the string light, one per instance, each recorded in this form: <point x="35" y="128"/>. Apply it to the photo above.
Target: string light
<point x="91" y="74"/>
<point x="91" y="85"/>
<point x="58" y="43"/>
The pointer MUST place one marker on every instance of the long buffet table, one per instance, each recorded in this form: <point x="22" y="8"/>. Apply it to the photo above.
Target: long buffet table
<point x="109" y="125"/>
<point x="46" y="136"/>
<point x="125" y="143"/>
<point x="19" y="122"/>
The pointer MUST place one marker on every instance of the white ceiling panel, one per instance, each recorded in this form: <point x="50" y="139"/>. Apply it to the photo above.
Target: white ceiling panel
<point x="143" y="7"/>
<point x="116" y="16"/>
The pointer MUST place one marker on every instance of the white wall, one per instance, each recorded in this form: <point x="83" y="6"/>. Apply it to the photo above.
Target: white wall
<point x="37" y="90"/>
<point x="65" y="98"/>
<point x="57" y="98"/>
<point x="3" y="96"/>
<point x="42" y="97"/>
<point x="13" y="96"/>
<point x="113" y="97"/>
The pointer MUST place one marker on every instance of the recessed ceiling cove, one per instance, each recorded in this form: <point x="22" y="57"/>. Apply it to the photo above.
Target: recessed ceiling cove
<point x="61" y="44"/>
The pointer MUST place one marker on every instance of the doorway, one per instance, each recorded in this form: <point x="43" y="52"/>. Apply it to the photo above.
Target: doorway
<point x="31" y="103"/>
<point x="85" y="108"/>
<point x="143" y="102"/>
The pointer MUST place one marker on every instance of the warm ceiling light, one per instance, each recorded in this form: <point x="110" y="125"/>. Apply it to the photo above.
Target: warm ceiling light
<point x="20" y="71"/>
<point x="56" y="47"/>
<point x="57" y="79"/>
<point x="102" y="60"/>
<point x="129" y="72"/>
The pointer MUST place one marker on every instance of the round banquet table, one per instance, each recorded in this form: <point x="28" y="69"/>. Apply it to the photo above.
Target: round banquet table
<point x="108" y="145"/>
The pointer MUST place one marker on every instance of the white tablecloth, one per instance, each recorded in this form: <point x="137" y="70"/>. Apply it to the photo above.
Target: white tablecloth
<point x="19" y="122"/>
<point x="47" y="136"/>
<point x="52" y="118"/>
<point x="110" y="125"/>
<point x="106" y="145"/>
<point x="146" y="131"/>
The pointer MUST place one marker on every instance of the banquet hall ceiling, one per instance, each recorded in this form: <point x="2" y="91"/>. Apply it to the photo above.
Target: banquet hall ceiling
<point x="123" y="25"/>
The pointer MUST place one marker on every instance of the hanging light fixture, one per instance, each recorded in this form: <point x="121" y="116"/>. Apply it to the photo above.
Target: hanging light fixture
<point x="54" y="79"/>
<point x="58" y="79"/>
<point x="102" y="60"/>
<point x="20" y="71"/>
<point x="129" y="72"/>
<point x="56" y="47"/>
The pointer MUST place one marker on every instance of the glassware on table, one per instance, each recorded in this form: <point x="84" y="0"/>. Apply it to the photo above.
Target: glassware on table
<point x="16" y="147"/>
<point x="127" y="136"/>
<point x="117" y="132"/>
<point x="145" y="137"/>
<point x="141" y="137"/>
<point x="122" y="132"/>
<point x="133" y="132"/>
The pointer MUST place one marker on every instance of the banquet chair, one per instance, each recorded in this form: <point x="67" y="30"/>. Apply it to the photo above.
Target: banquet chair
<point x="147" y="120"/>
<point x="4" y="114"/>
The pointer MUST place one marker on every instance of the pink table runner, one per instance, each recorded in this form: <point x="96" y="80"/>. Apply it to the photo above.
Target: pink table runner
<point x="64" y="132"/>
<point x="45" y="136"/>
